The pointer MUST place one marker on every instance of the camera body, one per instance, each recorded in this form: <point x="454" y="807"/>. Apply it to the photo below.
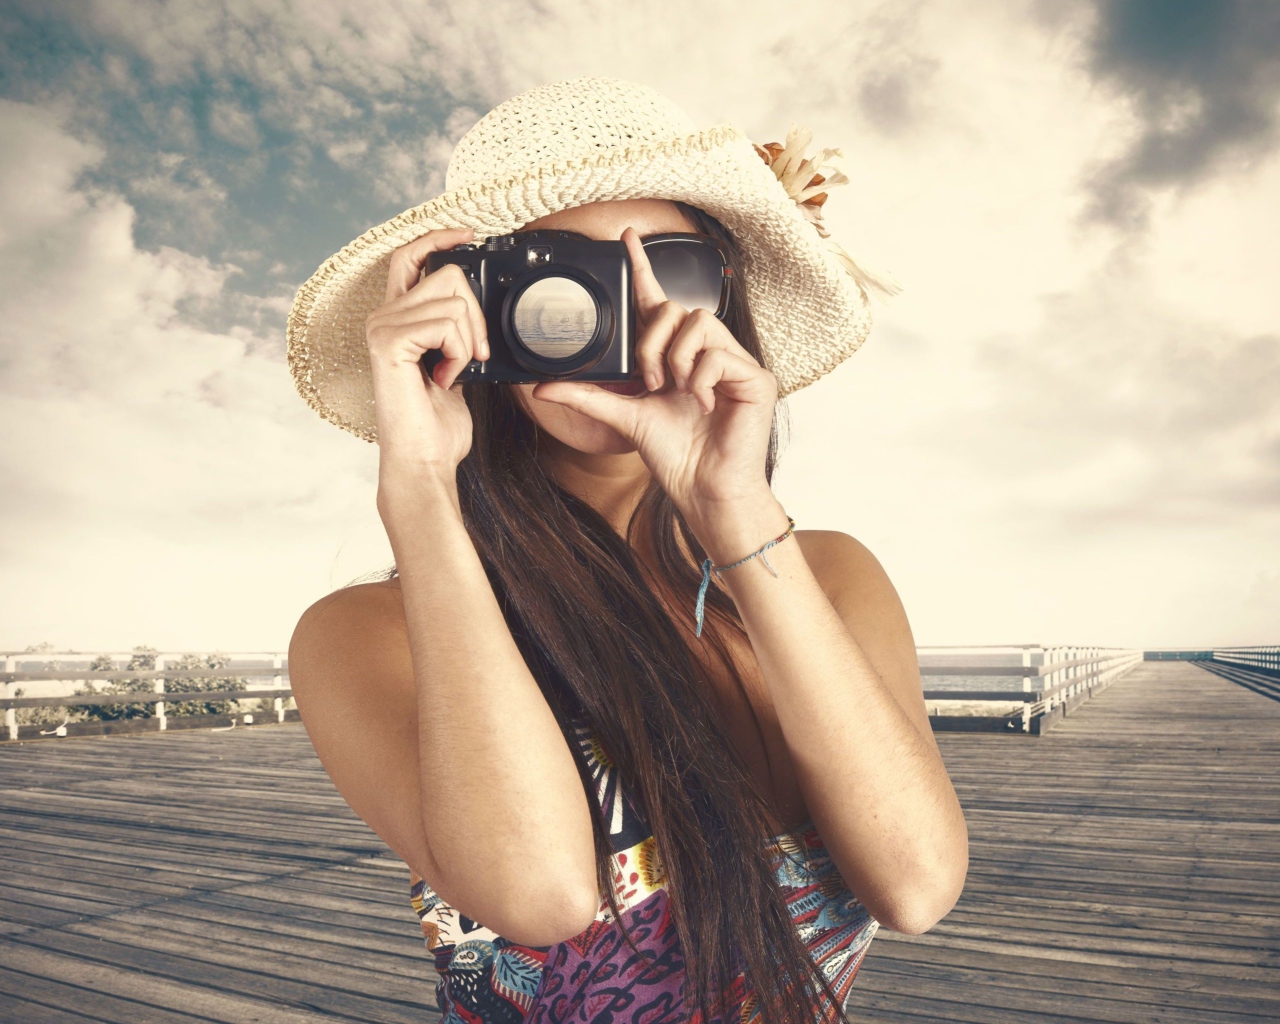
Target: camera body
<point x="556" y="306"/>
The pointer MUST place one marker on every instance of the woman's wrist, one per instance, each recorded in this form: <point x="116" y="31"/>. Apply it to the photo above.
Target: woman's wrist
<point x="418" y="496"/>
<point x="731" y="530"/>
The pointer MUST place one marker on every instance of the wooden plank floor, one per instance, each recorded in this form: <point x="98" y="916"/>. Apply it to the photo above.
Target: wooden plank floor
<point x="197" y="877"/>
<point x="1123" y="869"/>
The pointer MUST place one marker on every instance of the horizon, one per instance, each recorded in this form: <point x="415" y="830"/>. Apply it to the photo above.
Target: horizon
<point x="236" y="654"/>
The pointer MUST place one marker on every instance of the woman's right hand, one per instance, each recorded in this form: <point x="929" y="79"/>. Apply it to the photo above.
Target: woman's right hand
<point x="423" y="422"/>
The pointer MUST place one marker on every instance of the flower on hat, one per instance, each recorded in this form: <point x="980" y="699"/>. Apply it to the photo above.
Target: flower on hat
<point x="806" y="183"/>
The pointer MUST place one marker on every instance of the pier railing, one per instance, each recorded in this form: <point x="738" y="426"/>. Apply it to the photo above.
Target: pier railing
<point x="159" y="687"/>
<point x="1023" y="689"/>
<point x="1257" y="668"/>
<point x="1265" y="659"/>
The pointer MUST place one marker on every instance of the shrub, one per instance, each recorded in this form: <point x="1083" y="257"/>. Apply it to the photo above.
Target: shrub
<point x="142" y="660"/>
<point x="191" y="663"/>
<point x="47" y="717"/>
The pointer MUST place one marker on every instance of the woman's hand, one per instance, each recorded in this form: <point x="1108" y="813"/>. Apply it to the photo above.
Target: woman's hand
<point x="423" y="422"/>
<point x="703" y="428"/>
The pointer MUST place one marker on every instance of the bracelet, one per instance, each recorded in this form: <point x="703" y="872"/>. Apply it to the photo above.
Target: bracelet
<point x="708" y="569"/>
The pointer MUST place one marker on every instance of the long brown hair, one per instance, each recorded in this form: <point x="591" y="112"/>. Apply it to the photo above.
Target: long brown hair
<point x="593" y="625"/>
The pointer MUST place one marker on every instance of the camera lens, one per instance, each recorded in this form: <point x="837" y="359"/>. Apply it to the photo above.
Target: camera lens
<point x="555" y="317"/>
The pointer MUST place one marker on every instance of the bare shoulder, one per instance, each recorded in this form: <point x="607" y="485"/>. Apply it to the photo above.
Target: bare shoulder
<point x="361" y="599"/>
<point x="843" y="565"/>
<point x="855" y="582"/>
<point x="351" y="672"/>
<point x="867" y="602"/>
<point x="355" y="626"/>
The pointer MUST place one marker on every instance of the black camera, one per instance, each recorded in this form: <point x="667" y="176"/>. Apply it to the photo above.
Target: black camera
<point x="556" y="306"/>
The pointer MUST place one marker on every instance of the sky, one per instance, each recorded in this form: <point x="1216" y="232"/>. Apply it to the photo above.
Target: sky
<point x="1066" y="428"/>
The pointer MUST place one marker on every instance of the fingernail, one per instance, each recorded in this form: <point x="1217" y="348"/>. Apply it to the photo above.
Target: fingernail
<point x="651" y="381"/>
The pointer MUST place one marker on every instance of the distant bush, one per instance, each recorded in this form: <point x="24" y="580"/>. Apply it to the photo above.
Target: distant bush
<point x="47" y="717"/>
<point x="142" y="660"/>
<point x="264" y="706"/>
<point x="192" y="663"/>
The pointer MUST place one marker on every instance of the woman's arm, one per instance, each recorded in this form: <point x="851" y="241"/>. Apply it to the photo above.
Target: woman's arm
<point x="431" y="726"/>
<point x="841" y="669"/>
<point x="869" y="769"/>
<point x="426" y="715"/>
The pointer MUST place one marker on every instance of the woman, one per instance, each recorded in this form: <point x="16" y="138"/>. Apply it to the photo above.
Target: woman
<point x="638" y="743"/>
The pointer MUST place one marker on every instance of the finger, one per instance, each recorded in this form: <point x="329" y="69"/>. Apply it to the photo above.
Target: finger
<point x="616" y="411"/>
<point x="458" y="284"/>
<point x="452" y="307"/>
<point x="741" y="380"/>
<point x="654" y="340"/>
<point x="408" y="342"/>
<point x="648" y="293"/>
<point x="407" y="261"/>
<point x="456" y="352"/>
<point x="700" y="331"/>
<point x="448" y="281"/>
<point x="451" y="280"/>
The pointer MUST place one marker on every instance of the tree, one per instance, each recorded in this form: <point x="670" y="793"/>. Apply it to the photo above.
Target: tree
<point x="192" y="663"/>
<point x="143" y="659"/>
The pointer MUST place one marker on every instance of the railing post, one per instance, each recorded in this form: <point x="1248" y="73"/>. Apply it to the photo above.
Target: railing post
<point x="277" y="681"/>
<point x="158" y="687"/>
<point x="11" y="714"/>
<point x="1026" y="688"/>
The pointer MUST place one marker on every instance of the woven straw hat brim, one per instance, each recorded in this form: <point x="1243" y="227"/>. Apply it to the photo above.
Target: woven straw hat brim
<point x="810" y="314"/>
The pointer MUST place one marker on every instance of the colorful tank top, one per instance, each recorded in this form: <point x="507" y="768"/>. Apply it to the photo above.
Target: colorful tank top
<point x="487" y="979"/>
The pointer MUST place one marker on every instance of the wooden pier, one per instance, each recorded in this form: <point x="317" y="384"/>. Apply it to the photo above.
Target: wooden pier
<point x="1122" y="869"/>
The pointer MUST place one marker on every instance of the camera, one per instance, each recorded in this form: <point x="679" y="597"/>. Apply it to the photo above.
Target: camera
<point x="555" y="305"/>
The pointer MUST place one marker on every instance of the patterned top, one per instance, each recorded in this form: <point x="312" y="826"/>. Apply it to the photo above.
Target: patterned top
<point x="486" y="979"/>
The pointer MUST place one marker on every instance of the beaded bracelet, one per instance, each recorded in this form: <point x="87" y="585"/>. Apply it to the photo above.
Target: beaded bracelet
<point x="708" y="569"/>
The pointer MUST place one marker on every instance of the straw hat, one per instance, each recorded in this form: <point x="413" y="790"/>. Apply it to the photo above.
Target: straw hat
<point x="585" y="140"/>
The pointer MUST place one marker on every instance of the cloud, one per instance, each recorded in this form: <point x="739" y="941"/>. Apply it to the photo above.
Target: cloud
<point x="261" y="134"/>
<point x="38" y="191"/>
<point x="233" y="124"/>
<point x="1111" y="472"/>
<point x="1120" y="412"/>
<point x="145" y="456"/>
<point x="1203" y="79"/>
<point x="286" y="129"/>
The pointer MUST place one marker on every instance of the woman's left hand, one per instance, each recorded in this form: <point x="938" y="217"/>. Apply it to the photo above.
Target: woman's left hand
<point x="703" y="428"/>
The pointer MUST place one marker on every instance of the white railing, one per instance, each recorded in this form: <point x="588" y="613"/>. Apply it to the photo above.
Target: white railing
<point x="1266" y="659"/>
<point x="1021" y="688"/>
<point x="61" y="671"/>
<point x="1036" y="685"/>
